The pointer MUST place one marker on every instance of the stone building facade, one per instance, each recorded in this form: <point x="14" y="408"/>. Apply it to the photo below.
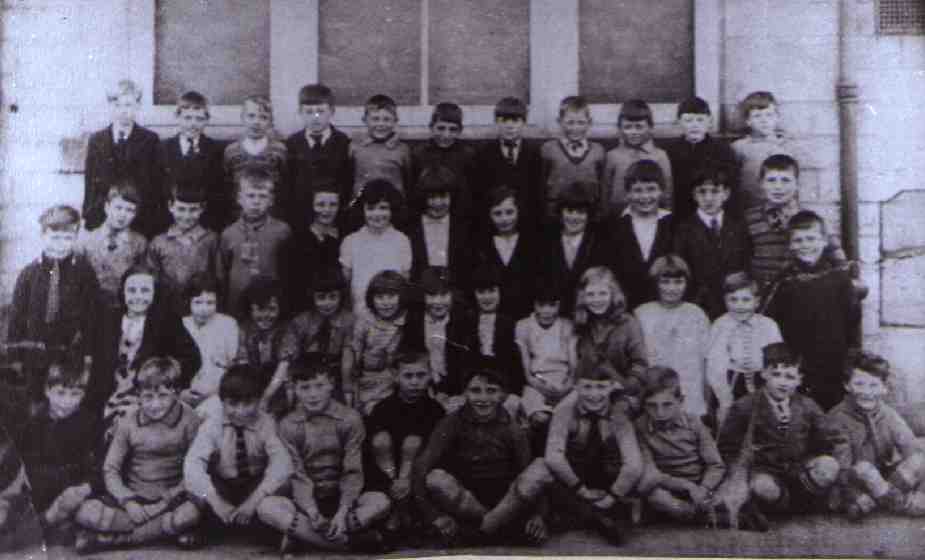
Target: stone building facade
<point x="848" y="90"/>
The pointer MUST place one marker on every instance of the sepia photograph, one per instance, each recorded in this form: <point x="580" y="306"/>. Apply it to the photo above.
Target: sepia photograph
<point x="416" y="278"/>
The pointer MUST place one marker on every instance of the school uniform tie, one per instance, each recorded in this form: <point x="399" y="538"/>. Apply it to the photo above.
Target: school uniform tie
<point x="509" y="147"/>
<point x="782" y="411"/>
<point x="54" y="296"/>
<point x="324" y="336"/>
<point x="714" y="228"/>
<point x="316" y="141"/>
<point x="240" y="454"/>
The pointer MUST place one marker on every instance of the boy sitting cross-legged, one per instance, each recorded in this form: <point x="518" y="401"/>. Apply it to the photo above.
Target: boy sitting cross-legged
<point x="882" y="464"/>
<point x="787" y="471"/>
<point x="145" y="497"/>
<point x="59" y="444"/>
<point x="328" y="509"/>
<point x="398" y="428"/>
<point x="592" y="460"/>
<point x="682" y="463"/>
<point x="237" y="459"/>
<point x="465" y="481"/>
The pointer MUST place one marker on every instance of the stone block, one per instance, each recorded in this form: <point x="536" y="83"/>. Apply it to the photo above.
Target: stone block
<point x="801" y="18"/>
<point x="903" y="228"/>
<point x="869" y="219"/>
<point x="902" y="293"/>
<point x="904" y="349"/>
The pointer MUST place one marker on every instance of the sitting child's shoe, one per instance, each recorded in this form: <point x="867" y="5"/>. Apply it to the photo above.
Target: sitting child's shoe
<point x="289" y="547"/>
<point x="190" y="540"/>
<point x="751" y="519"/>
<point x="609" y="528"/>
<point x="369" y="541"/>
<point x="88" y="542"/>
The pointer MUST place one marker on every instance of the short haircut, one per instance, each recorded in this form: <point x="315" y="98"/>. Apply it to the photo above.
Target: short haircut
<point x="805" y="219"/>
<point x="669" y="266"/>
<point x="260" y="292"/>
<point x="575" y="104"/>
<point x="693" y="106"/>
<point x="60" y="217"/>
<point x="192" y="100"/>
<point x="323" y="185"/>
<point x="511" y="108"/>
<point x="635" y="110"/>
<point x="499" y="194"/>
<point x="595" y="370"/>
<point x="447" y="112"/>
<point x="644" y="171"/>
<point x="66" y="372"/>
<point x="485" y="277"/>
<point x="548" y="290"/>
<point x="380" y="190"/>
<point x="310" y="366"/>
<point x="779" y="353"/>
<point x="713" y="173"/>
<point x="124" y="87"/>
<point x="157" y="372"/>
<point x="412" y="354"/>
<point x="435" y="280"/>
<point x="240" y="383"/>
<point x="658" y="379"/>
<point x="869" y="363"/>
<point x="387" y="282"/>
<point x="200" y="283"/>
<point x="328" y="279"/>
<point x="756" y="100"/>
<point x="738" y="281"/>
<point x="779" y="162"/>
<point x="125" y="190"/>
<point x="256" y="176"/>
<point x="488" y="375"/>
<point x="261" y="101"/>
<point x="380" y="102"/>
<point x="316" y="94"/>
<point x="185" y="192"/>
<point x="580" y="195"/>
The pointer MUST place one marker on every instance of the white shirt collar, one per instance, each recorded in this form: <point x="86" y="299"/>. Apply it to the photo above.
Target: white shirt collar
<point x="116" y="129"/>
<point x="325" y="134"/>
<point x="255" y="146"/>
<point x="661" y="213"/>
<point x="706" y="218"/>
<point x="425" y="219"/>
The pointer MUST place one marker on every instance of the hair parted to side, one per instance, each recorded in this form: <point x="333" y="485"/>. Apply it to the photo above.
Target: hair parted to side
<point x="192" y="100"/>
<point x="779" y="162"/>
<point x="574" y="104"/>
<point x="644" y="171"/>
<point x="60" y="217"/>
<point x="739" y="280"/>
<point x="805" y="219"/>
<point x="868" y="362"/>
<point x="380" y="102"/>
<point x="635" y="110"/>
<point x="713" y="173"/>
<point x="262" y="102"/>
<point x="511" y="108"/>
<point x="240" y="383"/>
<point x="316" y="94"/>
<point x="157" y="372"/>
<point x="669" y="266"/>
<point x="594" y="275"/>
<point x="756" y="100"/>
<point x="124" y="189"/>
<point x="658" y="379"/>
<point x="67" y="372"/>
<point x="310" y="366"/>
<point x="124" y="87"/>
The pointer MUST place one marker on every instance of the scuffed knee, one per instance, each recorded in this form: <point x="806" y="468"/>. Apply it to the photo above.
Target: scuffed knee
<point x="535" y="478"/>
<point x="765" y="488"/>
<point x="823" y="471"/>
<point x="439" y="480"/>
<point x="382" y="443"/>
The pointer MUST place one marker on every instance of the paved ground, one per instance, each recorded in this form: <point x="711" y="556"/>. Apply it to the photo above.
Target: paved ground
<point x="814" y="536"/>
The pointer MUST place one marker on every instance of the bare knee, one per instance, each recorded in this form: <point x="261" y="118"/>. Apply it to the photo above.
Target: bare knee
<point x="382" y="443"/>
<point x="90" y="514"/>
<point x="185" y="517"/>
<point x="272" y="508"/>
<point x="410" y="446"/>
<point x="765" y="488"/>
<point x="376" y="503"/>
<point x="439" y="479"/>
<point x="823" y="471"/>
<point x="535" y="478"/>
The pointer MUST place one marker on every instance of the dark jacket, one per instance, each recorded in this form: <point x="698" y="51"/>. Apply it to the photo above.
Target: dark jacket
<point x="457" y="253"/>
<point x="201" y="170"/>
<point x="491" y="169"/>
<point x="591" y="252"/>
<point x="137" y="160"/>
<point x="686" y="159"/>
<point x="711" y="258"/>
<point x="459" y="346"/>
<point x="625" y="257"/>
<point x="308" y="168"/>
<point x="518" y="278"/>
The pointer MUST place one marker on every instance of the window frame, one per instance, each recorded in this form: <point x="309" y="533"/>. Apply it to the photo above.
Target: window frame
<point x="554" y="45"/>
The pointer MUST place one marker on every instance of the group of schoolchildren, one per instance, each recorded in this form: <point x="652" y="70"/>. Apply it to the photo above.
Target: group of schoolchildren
<point x="469" y="345"/>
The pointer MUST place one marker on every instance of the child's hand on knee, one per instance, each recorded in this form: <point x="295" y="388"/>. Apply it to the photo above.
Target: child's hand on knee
<point x="536" y="529"/>
<point x="136" y="513"/>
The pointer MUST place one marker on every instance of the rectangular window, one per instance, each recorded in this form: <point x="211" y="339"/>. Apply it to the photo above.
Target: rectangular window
<point x="479" y="50"/>
<point x="220" y="48"/>
<point x="370" y="46"/>
<point x="636" y="49"/>
<point x="901" y="17"/>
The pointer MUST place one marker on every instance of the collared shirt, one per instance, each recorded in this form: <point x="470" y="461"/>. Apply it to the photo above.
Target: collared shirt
<point x="570" y="246"/>
<point x="645" y="229"/>
<point x="751" y="151"/>
<point x="681" y="447"/>
<point x="177" y="254"/>
<point x="214" y="453"/>
<point x="125" y="132"/>
<point x="112" y="253"/>
<point x="218" y="345"/>
<point x="133" y="330"/>
<point x="435" y="341"/>
<point x="327" y="449"/>
<point x="146" y="456"/>
<point x="506" y="246"/>
<point x="708" y="220"/>
<point x="255" y="146"/>
<point x="618" y="162"/>
<point x="310" y="136"/>
<point x="260" y="348"/>
<point x="769" y="240"/>
<point x="549" y="350"/>
<point x="575" y="148"/>
<point x="880" y="437"/>
<point x="511" y="152"/>
<point x="248" y="250"/>
<point x="376" y="159"/>
<point x="375" y="340"/>
<point x="187" y="144"/>
<point x="568" y="445"/>
<point x="487" y="333"/>
<point x="436" y="239"/>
